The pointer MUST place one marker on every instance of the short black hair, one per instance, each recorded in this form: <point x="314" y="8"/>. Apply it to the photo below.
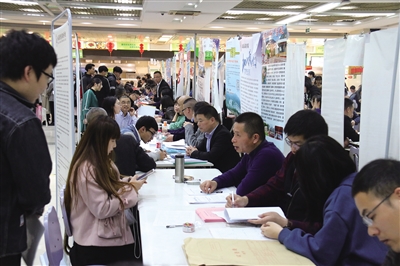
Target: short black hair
<point x="253" y="124"/>
<point x="352" y="87"/>
<point x="208" y="111"/>
<point x="148" y="122"/>
<point x="316" y="97"/>
<point x="88" y="67"/>
<point x="198" y="105"/>
<point x="102" y="69"/>
<point x="117" y="69"/>
<point x="150" y="84"/>
<point x="318" y="78"/>
<point x="157" y="72"/>
<point x="306" y="123"/>
<point x="19" y="49"/>
<point x="166" y="92"/>
<point x="137" y="92"/>
<point x="311" y="73"/>
<point x="348" y="103"/>
<point x="108" y="105"/>
<point x="381" y="177"/>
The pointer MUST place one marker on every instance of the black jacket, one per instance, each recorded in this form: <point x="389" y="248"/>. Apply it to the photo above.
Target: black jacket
<point x="25" y="167"/>
<point x="86" y="79"/>
<point x="221" y="154"/>
<point x="130" y="157"/>
<point x="163" y="86"/>
<point x="349" y="131"/>
<point x="105" y="90"/>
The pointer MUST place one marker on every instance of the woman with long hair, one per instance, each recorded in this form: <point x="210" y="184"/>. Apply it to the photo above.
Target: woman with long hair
<point x="112" y="106"/>
<point x="89" y="100"/>
<point x="326" y="173"/>
<point x="95" y="199"/>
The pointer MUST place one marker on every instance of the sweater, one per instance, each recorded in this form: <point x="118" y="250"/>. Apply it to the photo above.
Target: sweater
<point x="253" y="170"/>
<point x="343" y="238"/>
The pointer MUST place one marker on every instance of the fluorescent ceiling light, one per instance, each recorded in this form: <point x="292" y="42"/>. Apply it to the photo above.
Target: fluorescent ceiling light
<point x="86" y="23"/>
<point x="347" y="7"/>
<point x="324" y="7"/>
<point x="292" y="19"/>
<point x="216" y="27"/>
<point x="125" y="15"/>
<point x="263" y="18"/>
<point x="22" y="3"/>
<point x="229" y="17"/>
<point x="370" y="14"/>
<point x="272" y="13"/>
<point x="165" y="38"/>
<point x="31" y="10"/>
<point x="3" y="19"/>
<point x="292" y="7"/>
<point x="127" y="25"/>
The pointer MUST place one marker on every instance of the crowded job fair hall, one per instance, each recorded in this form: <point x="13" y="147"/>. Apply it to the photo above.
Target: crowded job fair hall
<point x="199" y="132"/>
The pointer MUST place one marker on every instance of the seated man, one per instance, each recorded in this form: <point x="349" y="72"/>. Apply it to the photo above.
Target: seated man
<point x="145" y="129"/>
<point x="193" y="136"/>
<point x="176" y="130"/>
<point x="349" y="132"/>
<point x="127" y="115"/>
<point x="216" y="147"/>
<point x="282" y="189"/>
<point x="130" y="157"/>
<point x="376" y="192"/>
<point x="261" y="160"/>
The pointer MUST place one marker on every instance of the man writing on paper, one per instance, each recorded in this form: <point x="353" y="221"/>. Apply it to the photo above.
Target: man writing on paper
<point x="376" y="191"/>
<point x="216" y="146"/>
<point x="283" y="189"/>
<point x="261" y="160"/>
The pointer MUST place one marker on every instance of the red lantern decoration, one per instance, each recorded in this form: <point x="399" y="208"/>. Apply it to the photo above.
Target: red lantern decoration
<point x="79" y="46"/>
<point x="110" y="47"/>
<point x="141" y="49"/>
<point x="180" y="47"/>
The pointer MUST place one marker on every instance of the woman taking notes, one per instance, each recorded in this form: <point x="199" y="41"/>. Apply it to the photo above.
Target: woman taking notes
<point x="326" y="173"/>
<point x="95" y="199"/>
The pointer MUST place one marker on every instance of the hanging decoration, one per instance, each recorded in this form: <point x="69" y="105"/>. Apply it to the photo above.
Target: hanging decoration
<point x="180" y="47"/>
<point x="79" y="46"/>
<point x="110" y="46"/>
<point x="141" y="49"/>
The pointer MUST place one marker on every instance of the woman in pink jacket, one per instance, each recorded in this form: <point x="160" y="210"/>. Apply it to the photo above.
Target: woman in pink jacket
<point x="95" y="199"/>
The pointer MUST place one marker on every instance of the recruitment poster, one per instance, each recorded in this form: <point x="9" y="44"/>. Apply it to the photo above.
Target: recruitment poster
<point x="250" y="73"/>
<point x="168" y="72"/>
<point x="214" y="79"/>
<point x="232" y="76"/>
<point x="273" y="84"/>
<point x="221" y="79"/>
<point x="179" y="91"/>
<point x="187" y="76"/>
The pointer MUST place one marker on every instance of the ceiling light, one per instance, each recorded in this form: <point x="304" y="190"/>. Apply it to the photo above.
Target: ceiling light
<point x="310" y="19"/>
<point x="324" y="7"/>
<point x="229" y="17"/>
<point x="370" y="14"/>
<point x="109" y="36"/>
<point x="44" y="21"/>
<point x="79" y="7"/>
<point x="292" y="19"/>
<point x="292" y="7"/>
<point x="147" y="37"/>
<point x="82" y="13"/>
<point x="176" y="19"/>
<point x="33" y="15"/>
<point x="86" y="23"/>
<point x="165" y="38"/>
<point x="263" y="18"/>
<point x="271" y="13"/>
<point x="22" y="3"/>
<point x="252" y="28"/>
<point x="3" y="19"/>
<point x="125" y="15"/>
<point x="346" y="7"/>
<point x="320" y="15"/>
<point x="31" y="10"/>
<point x="216" y="27"/>
<point x="190" y="4"/>
<point x="195" y="6"/>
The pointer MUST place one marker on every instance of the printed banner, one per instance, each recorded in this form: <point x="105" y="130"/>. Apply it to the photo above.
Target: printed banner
<point x="232" y="81"/>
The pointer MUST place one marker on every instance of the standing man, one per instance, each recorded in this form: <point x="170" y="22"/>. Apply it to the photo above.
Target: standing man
<point x="261" y="158"/>
<point x="114" y="79"/>
<point x="348" y="131"/>
<point x="26" y="69"/>
<point x="161" y="85"/>
<point x="87" y="77"/>
<point x="376" y="192"/>
<point x="105" y="90"/>
<point x="216" y="147"/>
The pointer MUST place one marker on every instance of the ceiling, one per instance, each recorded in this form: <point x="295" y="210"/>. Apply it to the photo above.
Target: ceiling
<point x="148" y="20"/>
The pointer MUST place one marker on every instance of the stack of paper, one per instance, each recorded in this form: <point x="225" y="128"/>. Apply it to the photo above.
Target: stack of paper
<point x="204" y="251"/>
<point x="240" y="215"/>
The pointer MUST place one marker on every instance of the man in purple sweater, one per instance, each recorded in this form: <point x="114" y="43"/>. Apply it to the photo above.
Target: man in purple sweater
<point x="261" y="160"/>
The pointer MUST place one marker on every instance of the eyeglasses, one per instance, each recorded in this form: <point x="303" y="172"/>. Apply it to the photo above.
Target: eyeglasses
<point x="152" y="132"/>
<point x="185" y="109"/>
<point x="50" y="76"/>
<point x="123" y="102"/>
<point x="290" y="143"/>
<point x="368" y="221"/>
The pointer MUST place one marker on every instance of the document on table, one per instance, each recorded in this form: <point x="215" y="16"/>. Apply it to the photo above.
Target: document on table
<point x="201" y="251"/>
<point x="180" y="144"/>
<point x="244" y="233"/>
<point x="196" y="191"/>
<point x="208" y="198"/>
<point x="174" y="217"/>
<point x="240" y="215"/>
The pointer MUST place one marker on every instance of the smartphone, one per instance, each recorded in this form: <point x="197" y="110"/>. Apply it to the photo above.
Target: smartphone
<point x="145" y="175"/>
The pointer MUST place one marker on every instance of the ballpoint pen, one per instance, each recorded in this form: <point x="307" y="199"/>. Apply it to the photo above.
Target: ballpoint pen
<point x="233" y="200"/>
<point x="173" y="226"/>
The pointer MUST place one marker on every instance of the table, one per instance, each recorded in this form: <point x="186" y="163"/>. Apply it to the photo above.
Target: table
<point x="162" y="246"/>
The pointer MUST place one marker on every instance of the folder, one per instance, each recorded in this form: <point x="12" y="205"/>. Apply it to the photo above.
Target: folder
<point x="208" y="215"/>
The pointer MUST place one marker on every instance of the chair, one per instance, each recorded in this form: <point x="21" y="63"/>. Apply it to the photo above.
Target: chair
<point x="354" y="154"/>
<point x="67" y="224"/>
<point x="52" y="237"/>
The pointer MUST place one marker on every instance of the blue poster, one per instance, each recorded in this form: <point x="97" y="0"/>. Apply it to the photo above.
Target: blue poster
<point x="232" y="75"/>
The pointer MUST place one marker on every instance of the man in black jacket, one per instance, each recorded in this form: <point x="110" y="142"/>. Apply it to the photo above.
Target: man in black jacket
<point x="26" y="69"/>
<point x="105" y="90"/>
<point x="161" y="85"/>
<point x="216" y="146"/>
<point x="88" y="76"/>
<point x="114" y="79"/>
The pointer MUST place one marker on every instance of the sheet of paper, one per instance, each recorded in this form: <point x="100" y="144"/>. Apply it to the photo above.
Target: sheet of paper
<point x="175" y="144"/>
<point x="234" y="215"/>
<point x="208" y="198"/>
<point x="244" y="233"/>
<point x="164" y="218"/>
<point x="196" y="191"/>
<point x="202" y="251"/>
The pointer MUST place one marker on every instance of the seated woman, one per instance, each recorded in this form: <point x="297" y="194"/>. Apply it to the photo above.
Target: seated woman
<point x="326" y="173"/>
<point x="95" y="199"/>
<point x="167" y="107"/>
<point x="112" y="106"/>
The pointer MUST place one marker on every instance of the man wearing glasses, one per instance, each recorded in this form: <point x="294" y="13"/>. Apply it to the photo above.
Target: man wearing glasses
<point x="282" y="189"/>
<point x="376" y="192"/>
<point x="26" y="67"/>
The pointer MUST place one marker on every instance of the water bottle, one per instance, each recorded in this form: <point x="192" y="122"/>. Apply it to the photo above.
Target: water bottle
<point x="159" y="139"/>
<point x="179" y="168"/>
<point x="165" y="127"/>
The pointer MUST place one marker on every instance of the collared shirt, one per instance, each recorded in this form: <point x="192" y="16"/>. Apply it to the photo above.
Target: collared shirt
<point x="125" y="120"/>
<point x="208" y="137"/>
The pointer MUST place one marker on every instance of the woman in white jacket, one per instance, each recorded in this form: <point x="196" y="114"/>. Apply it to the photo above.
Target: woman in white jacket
<point x="95" y="199"/>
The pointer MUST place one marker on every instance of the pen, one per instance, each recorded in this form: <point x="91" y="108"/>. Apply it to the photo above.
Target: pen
<point x="173" y="226"/>
<point x="233" y="200"/>
<point x="214" y="192"/>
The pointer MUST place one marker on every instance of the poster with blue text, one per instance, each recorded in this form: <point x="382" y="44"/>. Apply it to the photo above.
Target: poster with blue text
<point x="250" y="73"/>
<point x="232" y="75"/>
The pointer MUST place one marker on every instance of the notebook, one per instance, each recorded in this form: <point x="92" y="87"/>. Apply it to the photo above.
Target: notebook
<point x="208" y="215"/>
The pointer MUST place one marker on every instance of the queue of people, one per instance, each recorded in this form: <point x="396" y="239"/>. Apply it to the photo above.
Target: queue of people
<point x="326" y="202"/>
